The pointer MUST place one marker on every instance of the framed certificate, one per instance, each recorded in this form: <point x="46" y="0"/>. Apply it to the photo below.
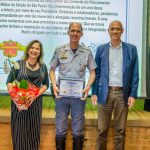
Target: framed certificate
<point x="71" y="88"/>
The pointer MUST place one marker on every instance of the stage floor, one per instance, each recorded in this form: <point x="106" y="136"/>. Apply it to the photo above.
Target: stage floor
<point x="138" y="118"/>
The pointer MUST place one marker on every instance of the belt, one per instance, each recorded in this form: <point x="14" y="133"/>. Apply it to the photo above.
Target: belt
<point x="115" y="88"/>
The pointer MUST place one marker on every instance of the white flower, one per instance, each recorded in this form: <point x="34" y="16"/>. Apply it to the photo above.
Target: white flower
<point x="15" y="83"/>
<point x="16" y="64"/>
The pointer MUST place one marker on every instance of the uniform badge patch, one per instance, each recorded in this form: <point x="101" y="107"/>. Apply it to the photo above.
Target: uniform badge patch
<point x="63" y="55"/>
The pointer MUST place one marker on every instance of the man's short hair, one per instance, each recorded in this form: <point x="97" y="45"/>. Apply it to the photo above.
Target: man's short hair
<point x="116" y="21"/>
<point x="75" y="23"/>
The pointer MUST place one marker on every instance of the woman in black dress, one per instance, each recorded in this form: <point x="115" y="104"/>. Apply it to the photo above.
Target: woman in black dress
<point x="25" y="124"/>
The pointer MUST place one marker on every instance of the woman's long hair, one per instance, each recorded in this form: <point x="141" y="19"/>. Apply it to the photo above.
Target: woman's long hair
<point x="40" y="58"/>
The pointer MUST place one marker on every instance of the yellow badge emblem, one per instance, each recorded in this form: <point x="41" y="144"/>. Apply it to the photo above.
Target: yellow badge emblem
<point x="63" y="55"/>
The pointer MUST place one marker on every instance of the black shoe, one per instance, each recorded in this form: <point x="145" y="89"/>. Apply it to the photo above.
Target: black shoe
<point x="60" y="143"/>
<point x="78" y="142"/>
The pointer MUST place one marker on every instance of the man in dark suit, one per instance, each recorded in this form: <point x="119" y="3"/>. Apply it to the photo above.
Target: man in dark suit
<point x="116" y="84"/>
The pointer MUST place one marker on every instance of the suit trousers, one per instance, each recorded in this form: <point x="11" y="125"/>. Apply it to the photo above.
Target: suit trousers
<point x="114" y="105"/>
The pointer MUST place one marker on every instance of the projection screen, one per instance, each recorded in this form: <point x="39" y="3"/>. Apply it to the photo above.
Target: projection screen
<point x="47" y="20"/>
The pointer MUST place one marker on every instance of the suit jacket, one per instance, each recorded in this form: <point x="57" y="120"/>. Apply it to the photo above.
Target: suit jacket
<point x="129" y="72"/>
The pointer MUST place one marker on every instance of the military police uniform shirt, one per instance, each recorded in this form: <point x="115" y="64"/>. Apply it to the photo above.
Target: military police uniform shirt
<point x="72" y="65"/>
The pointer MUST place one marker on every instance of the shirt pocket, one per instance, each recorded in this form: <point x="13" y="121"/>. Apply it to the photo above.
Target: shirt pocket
<point x="63" y="58"/>
<point x="82" y="65"/>
<point x="64" y="64"/>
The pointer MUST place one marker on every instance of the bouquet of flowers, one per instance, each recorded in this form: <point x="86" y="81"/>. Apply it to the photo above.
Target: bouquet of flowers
<point x="20" y="93"/>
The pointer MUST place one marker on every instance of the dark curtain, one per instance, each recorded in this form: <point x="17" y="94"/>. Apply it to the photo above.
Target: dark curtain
<point x="147" y="105"/>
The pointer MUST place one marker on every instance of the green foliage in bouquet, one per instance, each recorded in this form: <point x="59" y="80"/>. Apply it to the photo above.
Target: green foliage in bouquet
<point x="23" y="84"/>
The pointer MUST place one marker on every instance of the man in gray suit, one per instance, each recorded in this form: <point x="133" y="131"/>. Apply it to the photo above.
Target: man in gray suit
<point x="116" y="84"/>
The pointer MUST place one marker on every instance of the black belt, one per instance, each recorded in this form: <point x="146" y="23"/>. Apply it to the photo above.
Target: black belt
<point x="115" y="88"/>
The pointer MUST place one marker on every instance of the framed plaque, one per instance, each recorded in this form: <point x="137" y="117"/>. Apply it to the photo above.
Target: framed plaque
<point x="71" y="88"/>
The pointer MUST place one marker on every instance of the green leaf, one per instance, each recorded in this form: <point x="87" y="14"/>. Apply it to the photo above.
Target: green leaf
<point x="23" y="84"/>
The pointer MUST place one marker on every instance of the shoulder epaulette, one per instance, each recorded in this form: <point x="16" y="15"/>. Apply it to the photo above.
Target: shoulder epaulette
<point x="86" y="48"/>
<point x="60" y="47"/>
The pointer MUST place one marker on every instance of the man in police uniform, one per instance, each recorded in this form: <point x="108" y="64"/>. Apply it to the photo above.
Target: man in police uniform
<point x="72" y="60"/>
